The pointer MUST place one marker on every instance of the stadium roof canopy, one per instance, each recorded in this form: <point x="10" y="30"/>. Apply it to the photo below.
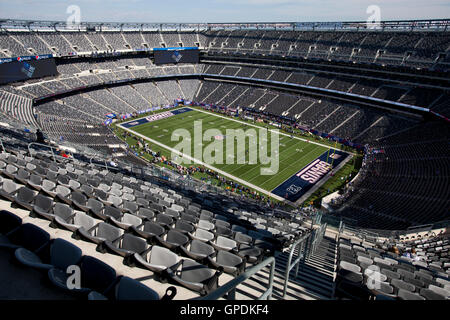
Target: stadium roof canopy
<point x="401" y="25"/>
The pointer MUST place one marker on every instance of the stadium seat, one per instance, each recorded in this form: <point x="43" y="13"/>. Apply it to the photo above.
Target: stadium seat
<point x="195" y="276"/>
<point x="26" y="236"/>
<point x="126" y="245"/>
<point x="149" y="230"/>
<point x="408" y="295"/>
<point x="224" y="243"/>
<point x="173" y="240"/>
<point x="24" y="198"/>
<point x="198" y="250"/>
<point x="100" y="233"/>
<point x="202" y="235"/>
<point x="230" y="263"/>
<point x="126" y="221"/>
<point x="62" y="254"/>
<point x="95" y="275"/>
<point x="8" y="222"/>
<point x="184" y="226"/>
<point x="8" y="190"/>
<point x="158" y="260"/>
<point x="130" y="289"/>
<point x="75" y="222"/>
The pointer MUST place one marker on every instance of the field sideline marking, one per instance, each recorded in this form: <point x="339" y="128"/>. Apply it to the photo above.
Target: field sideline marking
<point x="272" y="130"/>
<point x="223" y="172"/>
<point x="206" y="165"/>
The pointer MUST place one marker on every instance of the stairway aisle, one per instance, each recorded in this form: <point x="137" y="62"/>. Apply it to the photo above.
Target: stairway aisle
<point x="315" y="278"/>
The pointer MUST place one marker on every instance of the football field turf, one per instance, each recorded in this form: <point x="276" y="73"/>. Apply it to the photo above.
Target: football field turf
<point x="294" y="153"/>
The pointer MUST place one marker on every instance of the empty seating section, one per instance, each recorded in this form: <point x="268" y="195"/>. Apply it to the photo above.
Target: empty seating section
<point x="398" y="48"/>
<point x="151" y="223"/>
<point x="32" y="247"/>
<point x="389" y="194"/>
<point x="18" y="108"/>
<point x="393" y="269"/>
<point x="394" y="181"/>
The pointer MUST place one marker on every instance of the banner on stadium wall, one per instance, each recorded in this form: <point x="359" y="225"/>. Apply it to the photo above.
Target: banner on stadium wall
<point x="26" y="58"/>
<point x="177" y="102"/>
<point x="111" y="115"/>
<point x="275" y="124"/>
<point x="108" y="122"/>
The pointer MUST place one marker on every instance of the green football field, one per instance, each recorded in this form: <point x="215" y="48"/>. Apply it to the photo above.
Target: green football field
<point x="293" y="155"/>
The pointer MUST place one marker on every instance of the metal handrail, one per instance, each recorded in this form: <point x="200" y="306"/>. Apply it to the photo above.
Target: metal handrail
<point x="306" y="245"/>
<point x="229" y="288"/>
<point x="42" y="145"/>
<point x="302" y="248"/>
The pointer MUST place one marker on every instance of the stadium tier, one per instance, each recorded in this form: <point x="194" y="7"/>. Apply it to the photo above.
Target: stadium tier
<point x="90" y="120"/>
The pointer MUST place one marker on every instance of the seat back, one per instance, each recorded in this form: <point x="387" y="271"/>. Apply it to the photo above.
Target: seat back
<point x="62" y="210"/>
<point x="204" y="235"/>
<point x="195" y="272"/>
<point x="95" y="274"/>
<point x="95" y="205"/>
<point x="242" y="238"/>
<point x="25" y="195"/>
<point x="200" y="247"/>
<point x="35" y="179"/>
<point x="108" y="232"/>
<point x="184" y="226"/>
<point x="30" y="237"/>
<point x="165" y="219"/>
<point x="83" y="220"/>
<point x="237" y="228"/>
<point x="113" y="212"/>
<point x="228" y="259"/>
<point x="133" y="243"/>
<point x="206" y="225"/>
<point x="130" y="289"/>
<point x="8" y="221"/>
<point x="177" y="237"/>
<point x="132" y="206"/>
<point x="146" y="213"/>
<point x="48" y="185"/>
<point x="225" y="242"/>
<point x="64" y="254"/>
<point x="172" y="213"/>
<point x="9" y="186"/>
<point x="79" y="198"/>
<point x="62" y="190"/>
<point x="153" y="228"/>
<point x="163" y="257"/>
<point x="43" y="202"/>
<point x="131" y="219"/>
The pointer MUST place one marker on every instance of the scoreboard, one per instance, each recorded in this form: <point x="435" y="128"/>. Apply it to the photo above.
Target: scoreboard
<point x="21" y="69"/>
<point x="176" y="55"/>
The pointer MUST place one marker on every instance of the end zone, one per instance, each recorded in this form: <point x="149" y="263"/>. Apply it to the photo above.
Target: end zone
<point x="301" y="182"/>
<point x="154" y="117"/>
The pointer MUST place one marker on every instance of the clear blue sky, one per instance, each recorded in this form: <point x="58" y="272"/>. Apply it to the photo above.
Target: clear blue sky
<point x="224" y="10"/>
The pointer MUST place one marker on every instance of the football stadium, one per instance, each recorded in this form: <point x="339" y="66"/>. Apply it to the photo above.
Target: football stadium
<point x="224" y="161"/>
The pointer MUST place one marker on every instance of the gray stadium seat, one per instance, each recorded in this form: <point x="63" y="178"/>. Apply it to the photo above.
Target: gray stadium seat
<point x="62" y="255"/>
<point x="130" y="289"/>
<point x="230" y="262"/>
<point x="149" y="230"/>
<point x="100" y="233"/>
<point x="198" y="250"/>
<point x="157" y="259"/>
<point x="195" y="276"/>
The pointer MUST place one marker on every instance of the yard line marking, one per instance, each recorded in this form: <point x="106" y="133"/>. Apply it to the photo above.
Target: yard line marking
<point x="207" y="165"/>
